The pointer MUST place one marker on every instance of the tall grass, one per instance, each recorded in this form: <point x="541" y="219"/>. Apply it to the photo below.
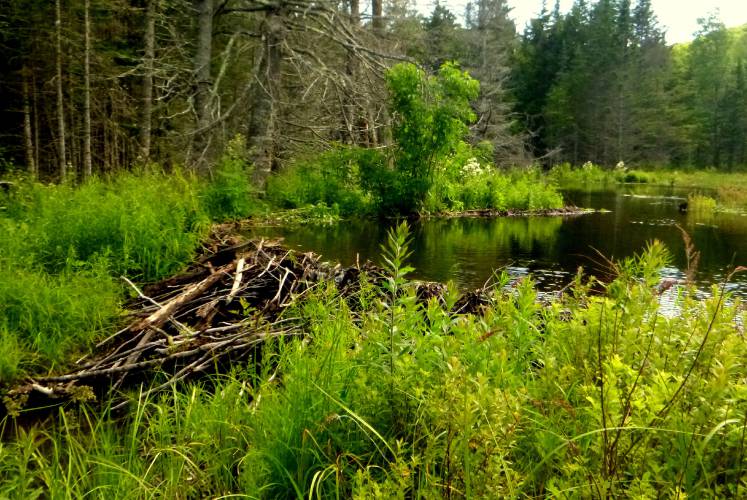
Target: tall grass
<point x="388" y="397"/>
<point x="64" y="248"/>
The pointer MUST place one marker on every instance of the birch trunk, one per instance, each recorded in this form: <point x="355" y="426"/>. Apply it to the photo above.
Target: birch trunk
<point x="28" y="137"/>
<point x="60" y="104"/>
<point x="87" y="159"/>
<point x="150" y="49"/>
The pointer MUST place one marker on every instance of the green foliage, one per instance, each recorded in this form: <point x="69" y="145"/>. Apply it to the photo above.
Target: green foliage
<point x="332" y="178"/>
<point x="589" y="174"/>
<point x="64" y="248"/>
<point x="700" y="203"/>
<point x="384" y="396"/>
<point x="142" y="225"/>
<point x="431" y="114"/>
<point x="229" y="195"/>
<point x="483" y="187"/>
<point x="430" y="168"/>
<point x="599" y="82"/>
<point x="44" y="318"/>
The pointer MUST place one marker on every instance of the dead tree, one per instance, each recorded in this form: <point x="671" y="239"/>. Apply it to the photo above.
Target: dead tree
<point x="263" y="115"/>
<point x="146" y="119"/>
<point x="203" y="57"/>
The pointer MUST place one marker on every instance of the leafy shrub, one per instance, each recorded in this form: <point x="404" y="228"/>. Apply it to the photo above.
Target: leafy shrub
<point x="332" y="178"/>
<point x="430" y="120"/>
<point x="230" y="195"/>
<point x="634" y="177"/>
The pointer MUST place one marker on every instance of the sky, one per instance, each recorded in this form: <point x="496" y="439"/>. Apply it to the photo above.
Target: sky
<point x="679" y="17"/>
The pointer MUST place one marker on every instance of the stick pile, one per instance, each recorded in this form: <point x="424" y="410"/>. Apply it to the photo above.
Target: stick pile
<point x="221" y="309"/>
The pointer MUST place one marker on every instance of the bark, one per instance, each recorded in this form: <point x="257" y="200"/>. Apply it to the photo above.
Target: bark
<point x="351" y="69"/>
<point x="202" y="75"/>
<point x="148" y="60"/>
<point x="262" y="121"/>
<point x="35" y="109"/>
<point x="87" y="160"/>
<point x="60" y="105"/>
<point x="377" y="21"/>
<point x="28" y="138"/>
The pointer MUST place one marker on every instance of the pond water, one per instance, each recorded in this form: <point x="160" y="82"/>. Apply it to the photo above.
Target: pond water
<point x="550" y="249"/>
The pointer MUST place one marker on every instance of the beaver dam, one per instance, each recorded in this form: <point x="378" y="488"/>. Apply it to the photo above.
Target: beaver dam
<point x="221" y="309"/>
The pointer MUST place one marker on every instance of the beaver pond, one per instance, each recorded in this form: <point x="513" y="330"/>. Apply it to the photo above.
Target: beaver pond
<point x="467" y="250"/>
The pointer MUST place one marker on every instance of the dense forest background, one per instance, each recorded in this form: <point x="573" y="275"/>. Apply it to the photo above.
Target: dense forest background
<point x="93" y="86"/>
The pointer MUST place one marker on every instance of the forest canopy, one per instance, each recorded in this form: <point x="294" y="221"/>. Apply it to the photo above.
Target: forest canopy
<point x="95" y="86"/>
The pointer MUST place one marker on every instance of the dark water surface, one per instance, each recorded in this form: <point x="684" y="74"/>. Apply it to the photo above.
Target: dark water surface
<point x="467" y="250"/>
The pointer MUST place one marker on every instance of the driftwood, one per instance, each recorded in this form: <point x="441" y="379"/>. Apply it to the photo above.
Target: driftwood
<point x="222" y="308"/>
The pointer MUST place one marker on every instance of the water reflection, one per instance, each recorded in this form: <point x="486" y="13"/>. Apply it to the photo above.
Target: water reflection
<point x="468" y="250"/>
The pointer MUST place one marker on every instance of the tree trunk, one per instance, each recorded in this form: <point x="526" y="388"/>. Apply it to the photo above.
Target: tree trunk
<point x="87" y="160"/>
<point x="60" y="106"/>
<point x="27" y="129"/>
<point x="377" y="20"/>
<point x="148" y="60"/>
<point x="202" y="75"/>
<point x="35" y="108"/>
<point x="261" y="128"/>
<point x="351" y="70"/>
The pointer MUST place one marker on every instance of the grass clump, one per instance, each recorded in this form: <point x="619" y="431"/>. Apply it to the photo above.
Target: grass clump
<point x="470" y="184"/>
<point x="143" y="225"/>
<point x="590" y="175"/>
<point x="44" y="317"/>
<point x="700" y="204"/>
<point x="385" y="396"/>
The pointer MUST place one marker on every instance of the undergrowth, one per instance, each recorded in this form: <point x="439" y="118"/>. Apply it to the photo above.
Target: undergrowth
<point x="64" y="249"/>
<point x="389" y="397"/>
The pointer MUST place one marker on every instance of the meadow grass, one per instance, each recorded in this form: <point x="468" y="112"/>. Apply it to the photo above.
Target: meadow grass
<point x="388" y="397"/>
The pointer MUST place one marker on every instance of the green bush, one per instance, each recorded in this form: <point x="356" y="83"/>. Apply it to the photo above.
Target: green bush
<point x="699" y="203"/>
<point x="431" y="115"/>
<point x="332" y="178"/>
<point x="229" y="195"/>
